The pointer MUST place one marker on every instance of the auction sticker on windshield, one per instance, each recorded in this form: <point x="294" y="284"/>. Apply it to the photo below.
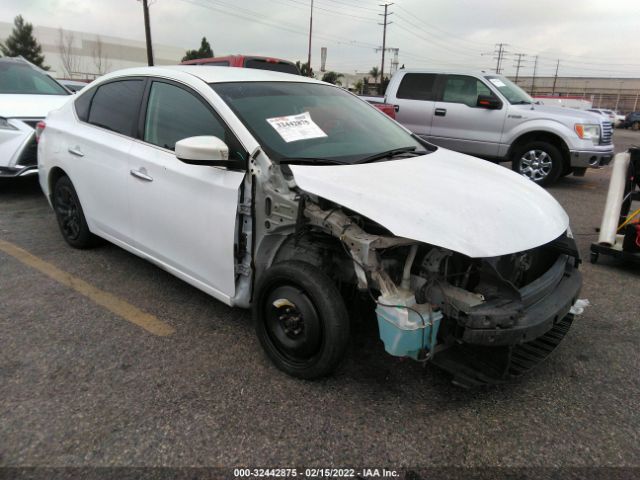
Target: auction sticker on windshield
<point x="296" y="127"/>
<point x="497" y="82"/>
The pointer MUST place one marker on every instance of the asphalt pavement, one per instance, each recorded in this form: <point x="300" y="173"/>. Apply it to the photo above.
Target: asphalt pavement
<point x="80" y="385"/>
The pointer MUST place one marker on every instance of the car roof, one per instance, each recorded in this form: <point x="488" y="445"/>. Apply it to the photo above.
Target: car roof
<point x="479" y="73"/>
<point x="214" y="74"/>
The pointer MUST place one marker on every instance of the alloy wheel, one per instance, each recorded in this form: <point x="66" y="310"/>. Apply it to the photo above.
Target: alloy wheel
<point x="536" y="165"/>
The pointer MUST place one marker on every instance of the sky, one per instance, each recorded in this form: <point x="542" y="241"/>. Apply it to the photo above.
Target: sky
<point x="590" y="37"/>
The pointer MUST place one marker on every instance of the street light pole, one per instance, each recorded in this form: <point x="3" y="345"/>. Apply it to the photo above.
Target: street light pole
<point x="310" y="31"/>
<point x="147" y="32"/>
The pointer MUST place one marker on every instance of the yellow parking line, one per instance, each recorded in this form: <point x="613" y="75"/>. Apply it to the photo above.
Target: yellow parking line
<point x="109" y="301"/>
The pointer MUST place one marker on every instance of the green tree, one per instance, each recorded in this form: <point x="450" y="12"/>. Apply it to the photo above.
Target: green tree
<point x="332" y="77"/>
<point x="203" y="52"/>
<point x="21" y="42"/>
<point x="304" y="68"/>
<point x="375" y="73"/>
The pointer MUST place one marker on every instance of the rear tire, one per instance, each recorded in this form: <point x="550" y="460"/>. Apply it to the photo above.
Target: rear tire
<point x="539" y="161"/>
<point x="301" y="320"/>
<point x="70" y="215"/>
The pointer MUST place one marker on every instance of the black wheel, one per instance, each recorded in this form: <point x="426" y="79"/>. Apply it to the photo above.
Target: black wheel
<point x="538" y="161"/>
<point x="70" y="215"/>
<point x="635" y="126"/>
<point x="301" y="319"/>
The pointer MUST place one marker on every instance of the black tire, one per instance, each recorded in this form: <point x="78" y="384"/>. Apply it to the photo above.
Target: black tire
<point x="301" y="320"/>
<point x="70" y="215"/>
<point x="539" y="161"/>
<point x="635" y="126"/>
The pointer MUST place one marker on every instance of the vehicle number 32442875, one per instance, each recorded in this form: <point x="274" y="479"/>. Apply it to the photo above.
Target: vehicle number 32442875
<point x="314" y="473"/>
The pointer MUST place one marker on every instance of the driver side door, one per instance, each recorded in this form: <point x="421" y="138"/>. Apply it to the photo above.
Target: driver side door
<point x="184" y="216"/>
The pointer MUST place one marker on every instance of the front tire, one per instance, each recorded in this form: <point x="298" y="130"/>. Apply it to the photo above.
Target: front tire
<point x="70" y="215"/>
<point x="301" y="320"/>
<point x="635" y="126"/>
<point x="540" y="162"/>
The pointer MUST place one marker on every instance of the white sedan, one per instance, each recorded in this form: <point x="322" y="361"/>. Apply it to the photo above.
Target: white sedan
<point x="293" y="197"/>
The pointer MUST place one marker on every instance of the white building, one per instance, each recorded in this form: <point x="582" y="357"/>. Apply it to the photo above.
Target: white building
<point x="85" y="59"/>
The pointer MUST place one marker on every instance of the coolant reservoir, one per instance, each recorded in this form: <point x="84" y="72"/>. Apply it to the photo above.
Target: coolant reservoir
<point x="404" y="331"/>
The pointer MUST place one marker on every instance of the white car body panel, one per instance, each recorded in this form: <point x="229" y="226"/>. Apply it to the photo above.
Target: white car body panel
<point x="15" y="107"/>
<point x="445" y="199"/>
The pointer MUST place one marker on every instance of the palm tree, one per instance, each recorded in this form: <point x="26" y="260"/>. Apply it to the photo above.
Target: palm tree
<point x="332" y="77"/>
<point x="375" y="73"/>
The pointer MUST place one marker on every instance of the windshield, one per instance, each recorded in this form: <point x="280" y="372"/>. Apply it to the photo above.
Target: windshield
<point x="512" y="92"/>
<point x="21" y="78"/>
<point x="308" y="121"/>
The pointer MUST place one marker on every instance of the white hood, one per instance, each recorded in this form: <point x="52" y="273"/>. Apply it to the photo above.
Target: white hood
<point x="37" y="106"/>
<point x="445" y="198"/>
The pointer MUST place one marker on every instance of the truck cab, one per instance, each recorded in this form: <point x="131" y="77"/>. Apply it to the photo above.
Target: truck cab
<point x="488" y="116"/>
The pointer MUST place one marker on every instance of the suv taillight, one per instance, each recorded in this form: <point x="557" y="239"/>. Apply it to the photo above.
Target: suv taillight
<point x="39" y="129"/>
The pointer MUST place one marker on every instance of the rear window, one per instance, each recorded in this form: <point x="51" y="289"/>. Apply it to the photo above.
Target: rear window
<point x="115" y="106"/>
<point x="417" y="86"/>
<point x="276" y="66"/>
<point x="21" y="78"/>
<point x="224" y="63"/>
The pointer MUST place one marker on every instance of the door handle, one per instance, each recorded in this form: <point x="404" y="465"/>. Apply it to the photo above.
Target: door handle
<point x="441" y="112"/>
<point x="142" y="175"/>
<point x="76" y="151"/>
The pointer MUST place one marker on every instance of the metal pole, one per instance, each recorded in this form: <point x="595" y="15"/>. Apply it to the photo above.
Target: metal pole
<point x="310" y="31"/>
<point x="147" y="32"/>
<point x="555" y="78"/>
<point x="635" y="104"/>
<point x="533" y="79"/>
<point x="384" y="46"/>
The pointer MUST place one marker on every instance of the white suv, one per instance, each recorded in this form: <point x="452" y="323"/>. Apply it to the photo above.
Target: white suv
<point x="27" y="94"/>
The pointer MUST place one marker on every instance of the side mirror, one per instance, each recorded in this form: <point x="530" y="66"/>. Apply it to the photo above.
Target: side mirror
<point x="489" y="102"/>
<point x="203" y="150"/>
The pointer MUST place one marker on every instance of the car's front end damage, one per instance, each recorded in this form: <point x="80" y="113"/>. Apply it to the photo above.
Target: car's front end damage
<point x="483" y="313"/>
<point x="18" y="148"/>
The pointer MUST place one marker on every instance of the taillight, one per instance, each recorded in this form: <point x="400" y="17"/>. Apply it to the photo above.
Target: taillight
<point x="39" y="129"/>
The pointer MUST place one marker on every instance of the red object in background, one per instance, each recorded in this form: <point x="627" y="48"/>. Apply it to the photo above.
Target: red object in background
<point x="386" y="108"/>
<point x="245" y="61"/>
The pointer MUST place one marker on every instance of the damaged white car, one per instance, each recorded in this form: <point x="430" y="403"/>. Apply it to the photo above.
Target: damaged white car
<point x="286" y="195"/>
<point x="27" y="94"/>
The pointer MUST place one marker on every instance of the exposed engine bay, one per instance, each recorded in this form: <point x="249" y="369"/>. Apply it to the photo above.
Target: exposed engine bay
<point x="431" y="303"/>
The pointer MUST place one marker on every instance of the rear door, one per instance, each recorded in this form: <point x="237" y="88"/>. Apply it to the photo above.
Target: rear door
<point x="184" y="216"/>
<point x="98" y="150"/>
<point x="415" y="100"/>
<point x="459" y="124"/>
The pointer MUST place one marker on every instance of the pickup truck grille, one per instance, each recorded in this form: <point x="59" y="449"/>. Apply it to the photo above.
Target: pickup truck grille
<point x="607" y="133"/>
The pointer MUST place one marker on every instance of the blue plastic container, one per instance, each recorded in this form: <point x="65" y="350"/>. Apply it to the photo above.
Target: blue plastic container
<point x="403" y="332"/>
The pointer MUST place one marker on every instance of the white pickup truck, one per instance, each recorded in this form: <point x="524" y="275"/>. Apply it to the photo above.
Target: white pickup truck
<point x="488" y="116"/>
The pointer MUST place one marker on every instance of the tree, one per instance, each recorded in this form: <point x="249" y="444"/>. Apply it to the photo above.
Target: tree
<point x="100" y="58"/>
<point x="21" y="42"/>
<point x="70" y="61"/>
<point x="304" y="68"/>
<point x="332" y="77"/>
<point x="359" y="85"/>
<point x="375" y="73"/>
<point x="203" y="52"/>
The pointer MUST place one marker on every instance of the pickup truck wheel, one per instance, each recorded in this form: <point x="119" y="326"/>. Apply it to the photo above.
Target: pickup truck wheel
<point x="70" y="215"/>
<point x="635" y="126"/>
<point x="301" y="320"/>
<point x="538" y="161"/>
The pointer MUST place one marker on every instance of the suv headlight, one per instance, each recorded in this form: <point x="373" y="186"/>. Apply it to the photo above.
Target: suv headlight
<point x="5" y="125"/>
<point x="587" y="131"/>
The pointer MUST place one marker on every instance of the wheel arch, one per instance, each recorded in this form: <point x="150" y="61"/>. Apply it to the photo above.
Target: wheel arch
<point x="55" y="174"/>
<point x="542" y="136"/>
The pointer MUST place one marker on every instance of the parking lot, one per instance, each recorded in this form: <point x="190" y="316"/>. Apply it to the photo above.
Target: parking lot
<point x="107" y="360"/>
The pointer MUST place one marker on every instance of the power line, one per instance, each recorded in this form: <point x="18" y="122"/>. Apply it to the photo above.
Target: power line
<point x="500" y="54"/>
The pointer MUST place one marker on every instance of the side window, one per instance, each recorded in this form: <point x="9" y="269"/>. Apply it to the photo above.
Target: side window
<point x="115" y="106"/>
<point x="417" y="86"/>
<point x="82" y="104"/>
<point x="463" y="89"/>
<point x="173" y="113"/>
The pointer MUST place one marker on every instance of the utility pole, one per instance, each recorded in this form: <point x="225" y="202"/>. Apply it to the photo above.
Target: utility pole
<point x="384" y="42"/>
<point x="519" y="61"/>
<point x="555" y="78"/>
<point x="147" y="32"/>
<point x="500" y="52"/>
<point x="533" y="79"/>
<point x="310" y="30"/>
<point x="635" y="104"/>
